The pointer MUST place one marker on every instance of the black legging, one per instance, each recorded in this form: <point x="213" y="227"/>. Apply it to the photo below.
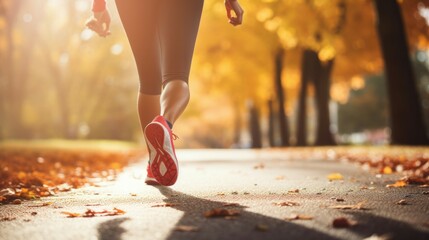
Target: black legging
<point x="162" y="35"/>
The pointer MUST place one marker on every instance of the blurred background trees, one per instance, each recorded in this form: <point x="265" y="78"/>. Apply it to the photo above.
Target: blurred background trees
<point x="299" y="72"/>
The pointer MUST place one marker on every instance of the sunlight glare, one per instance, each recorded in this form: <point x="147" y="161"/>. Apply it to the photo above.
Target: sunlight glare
<point x="86" y="34"/>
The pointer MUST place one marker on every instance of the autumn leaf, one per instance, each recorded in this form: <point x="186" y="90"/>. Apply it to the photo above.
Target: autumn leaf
<point x="286" y="204"/>
<point x="299" y="217"/>
<point x="387" y="170"/>
<point x="397" y="184"/>
<point x="343" y="222"/>
<point x="261" y="227"/>
<point x="165" y="205"/>
<point x="293" y="191"/>
<point x="71" y="214"/>
<point x="186" y="228"/>
<point x="221" y="212"/>
<point x="335" y="176"/>
<point x="45" y="204"/>
<point x="402" y="202"/>
<point x="358" y="206"/>
<point x="231" y="204"/>
<point x="280" y="177"/>
<point x="259" y="166"/>
<point x="93" y="213"/>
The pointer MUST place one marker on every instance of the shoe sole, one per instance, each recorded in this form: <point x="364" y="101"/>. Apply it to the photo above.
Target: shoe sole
<point x="164" y="167"/>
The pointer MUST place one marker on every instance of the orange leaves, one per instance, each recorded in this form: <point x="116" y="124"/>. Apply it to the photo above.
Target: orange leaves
<point x="298" y="217"/>
<point x="31" y="173"/>
<point x="358" y="206"/>
<point x="93" y="213"/>
<point x="335" y="176"/>
<point x="165" y="205"/>
<point x="287" y="204"/>
<point x="343" y="222"/>
<point x="221" y="212"/>
<point x="397" y="184"/>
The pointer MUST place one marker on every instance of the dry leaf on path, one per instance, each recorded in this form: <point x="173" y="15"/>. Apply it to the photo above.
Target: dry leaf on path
<point x="93" y="213"/>
<point x="299" y="217"/>
<point x="335" y="176"/>
<point x="397" y="184"/>
<point x="186" y="228"/>
<point x="293" y="191"/>
<point x="221" y="212"/>
<point x="42" y="205"/>
<point x="287" y="204"/>
<point x="343" y="222"/>
<point x="165" y="205"/>
<point x="231" y="204"/>
<point x="402" y="202"/>
<point x="262" y="228"/>
<point x="358" y="206"/>
<point x="259" y="166"/>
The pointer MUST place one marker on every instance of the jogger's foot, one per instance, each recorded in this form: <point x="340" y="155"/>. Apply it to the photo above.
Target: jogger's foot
<point x="150" y="179"/>
<point x="163" y="161"/>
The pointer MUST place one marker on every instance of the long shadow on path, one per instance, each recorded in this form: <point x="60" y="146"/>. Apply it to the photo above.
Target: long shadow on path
<point x="243" y="227"/>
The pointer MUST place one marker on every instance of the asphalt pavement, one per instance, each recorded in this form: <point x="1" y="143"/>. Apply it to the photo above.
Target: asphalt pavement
<point x="268" y="194"/>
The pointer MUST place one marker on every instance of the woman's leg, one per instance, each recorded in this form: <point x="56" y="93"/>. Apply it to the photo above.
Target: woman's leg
<point x="174" y="99"/>
<point x="178" y="30"/>
<point x="148" y="108"/>
<point x="138" y="18"/>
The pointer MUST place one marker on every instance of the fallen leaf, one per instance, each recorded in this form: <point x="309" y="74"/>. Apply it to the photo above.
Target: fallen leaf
<point x="17" y="201"/>
<point x="92" y="204"/>
<point x="231" y="205"/>
<point x="42" y="205"/>
<point x="402" y="202"/>
<point x="342" y="222"/>
<point x="280" y="178"/>
<point x="71" y="214"/>
<point x="335" y="176"/>
<point x="7" y="219"/>
<point x="387" y="170"/>
<point x="165" y="205"/>
<point x="133" y="194"/>
<point x="339" y="200"/>
<point x="299" y="217"/>
<point x="358" y="206"/>
<point x="185" y="228"/>
<point x="259" y="166"/>
<point x="286" y="204"/>
<point x="294" y="190"/>
<point x="234" y="193"/>
<point x="93" y="213"/>
<point x="261" y="227"/>
<point x="397" y="184"/>
<point x="221" y="212"/>
<point x="33" y="213"/>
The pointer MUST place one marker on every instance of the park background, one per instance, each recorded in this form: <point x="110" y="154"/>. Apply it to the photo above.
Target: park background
<point x="296" y="73"/>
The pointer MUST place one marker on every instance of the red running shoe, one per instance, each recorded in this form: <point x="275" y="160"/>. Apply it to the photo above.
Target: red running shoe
<point x="150" y="179"/>
<point x="162" y="155"/>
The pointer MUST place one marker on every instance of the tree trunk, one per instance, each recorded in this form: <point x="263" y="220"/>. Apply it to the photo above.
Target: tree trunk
<point x="321" y="74"/>
<point x="405" y="108"/>
<point x="284" y="131"/>
<point x="255" y="126"/>
<point x="306" y="70"/>
<point x="271" y="123"/>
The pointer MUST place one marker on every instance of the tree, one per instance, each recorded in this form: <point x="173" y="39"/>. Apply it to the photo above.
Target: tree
<point x="405" y="109"/>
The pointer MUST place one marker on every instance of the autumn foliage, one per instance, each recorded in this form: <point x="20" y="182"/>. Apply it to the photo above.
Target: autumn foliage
<point x="30" y="173"/>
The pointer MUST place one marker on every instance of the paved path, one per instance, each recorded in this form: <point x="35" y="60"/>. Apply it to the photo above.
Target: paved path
<point x="210" y="178"/>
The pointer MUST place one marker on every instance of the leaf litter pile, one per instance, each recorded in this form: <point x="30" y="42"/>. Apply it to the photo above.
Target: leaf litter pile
<point x="30" y="173"/>
<point x="411" y="162"/>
